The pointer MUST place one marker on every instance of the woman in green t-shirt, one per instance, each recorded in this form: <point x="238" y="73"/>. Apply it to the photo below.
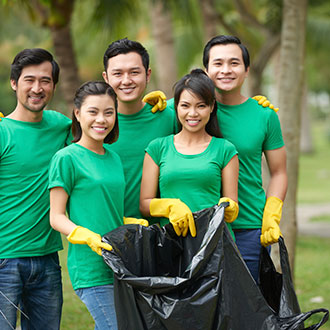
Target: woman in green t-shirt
<point x="195" y="167"/>
<point x="86" y="182"/>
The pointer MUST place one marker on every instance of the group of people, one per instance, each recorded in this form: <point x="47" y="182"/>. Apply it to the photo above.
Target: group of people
<point x="128" y="157"/>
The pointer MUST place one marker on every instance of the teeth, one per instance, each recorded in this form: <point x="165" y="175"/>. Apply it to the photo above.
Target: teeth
<point x="193" y="121"/>
<point x="99" y="129"/>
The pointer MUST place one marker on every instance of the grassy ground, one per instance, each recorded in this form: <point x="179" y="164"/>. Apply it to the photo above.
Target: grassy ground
<point x="314" y="170"/>
<point x="312" y="273"/>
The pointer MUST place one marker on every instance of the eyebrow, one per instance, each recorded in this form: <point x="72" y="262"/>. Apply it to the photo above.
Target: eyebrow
<point x="119" y="69"/>
<point x="231" y="58"/>
<point x="34" y="77"/>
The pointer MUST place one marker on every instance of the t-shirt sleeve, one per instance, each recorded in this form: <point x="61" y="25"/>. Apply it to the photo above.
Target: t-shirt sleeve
<point x="274" y="139"/>
<point x="61" y="173"/>
<point x="154" y="150"/>
<point x="229" y="151"/>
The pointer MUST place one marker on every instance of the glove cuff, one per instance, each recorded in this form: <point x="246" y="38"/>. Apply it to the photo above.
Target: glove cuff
<point x="160" y="207"/>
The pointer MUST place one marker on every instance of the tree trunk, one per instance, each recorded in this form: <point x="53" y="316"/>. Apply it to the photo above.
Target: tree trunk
<point x="69" y="76"/>
<point x="306" y="141"/>
<point x="209" y="19"/>
<point x="259" y="63"/>
<point x="164" y="47"/>
<point x="290" y="91"/>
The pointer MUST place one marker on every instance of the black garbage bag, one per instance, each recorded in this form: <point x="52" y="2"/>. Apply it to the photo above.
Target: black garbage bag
<point x="167" y="282"/>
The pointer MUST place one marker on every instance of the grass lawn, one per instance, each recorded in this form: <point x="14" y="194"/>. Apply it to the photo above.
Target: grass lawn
<point x="314" y="170"/>
<point x="312" y="275"/>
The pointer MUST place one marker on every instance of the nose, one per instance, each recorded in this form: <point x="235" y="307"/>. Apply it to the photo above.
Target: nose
<point x="100" y="118"/>
<point x="126" y="79"/>
<point x="36" y="87"/>
<point x="192" y="112"/>
<point x="225" y="68"/>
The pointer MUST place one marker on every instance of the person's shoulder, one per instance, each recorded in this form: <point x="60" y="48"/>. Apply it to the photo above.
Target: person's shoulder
<point x="222" y="143"/>
<point x="67" y="152"/>
<point x="53" y="116"/>
<point x="260" y="110"/>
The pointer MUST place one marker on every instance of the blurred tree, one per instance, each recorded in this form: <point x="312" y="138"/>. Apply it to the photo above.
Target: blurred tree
<point x="56" y="16"/>
<point x="291" y="75"/>
<point x="256" y="23"/>
<point x="162" y="32"/>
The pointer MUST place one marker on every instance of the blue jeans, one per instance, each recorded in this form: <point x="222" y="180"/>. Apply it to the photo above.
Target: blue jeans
<point x="248" y="243"/>
<point x="35" y="285"/>
<point x="99" y="300"/>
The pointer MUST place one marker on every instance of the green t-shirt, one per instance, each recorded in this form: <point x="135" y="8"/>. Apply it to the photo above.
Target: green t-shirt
<point x="96" y="186"/>
<point x="25" y="152"/>
<point x="135" y="133"/>
<point x="252" y="130"/>
<point x="194" y="179"/>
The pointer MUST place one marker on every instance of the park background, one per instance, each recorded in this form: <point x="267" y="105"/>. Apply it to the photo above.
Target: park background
<point x="289" y="43"/>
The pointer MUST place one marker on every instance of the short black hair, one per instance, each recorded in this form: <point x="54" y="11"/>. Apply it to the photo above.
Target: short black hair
<point x="93" y="88"/>
<point x="125" y="46"/>
<point x="198" y="82"/>
<point x="225" y="40"/>
<point x="33" y="56"/>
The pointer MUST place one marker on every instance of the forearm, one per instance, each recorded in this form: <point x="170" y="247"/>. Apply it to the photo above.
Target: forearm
<point x="145" y="206"/>
<point x="61" y="223"/>
<point x="278" y="185"/>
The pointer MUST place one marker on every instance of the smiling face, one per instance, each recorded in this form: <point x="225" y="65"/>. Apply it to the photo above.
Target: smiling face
<point x="34" y="88"/>
<point x="97" y="117"/>
<point x="127" y="76"/>
<point x="193" y="112"/>
<point x="226" y="68"/>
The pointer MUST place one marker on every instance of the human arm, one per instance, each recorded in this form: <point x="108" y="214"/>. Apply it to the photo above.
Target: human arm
<point x="229" y="178"/>
<point x="75" y="234"/>
<point x="178" y="213"/>
<point x="270" y="231"/>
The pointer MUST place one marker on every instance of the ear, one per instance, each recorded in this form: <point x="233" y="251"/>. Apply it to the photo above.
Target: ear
<point x="105" y="77"/>
<point x="247" y="72"/>
<point x="148" y="75"/>
<point x="77" y="114"/>
<point x="13" y="84"/>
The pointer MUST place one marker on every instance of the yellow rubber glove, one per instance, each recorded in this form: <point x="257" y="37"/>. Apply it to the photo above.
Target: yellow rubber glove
<point x="231" y="211"/>
<point x="81" y="235"/>
<point x="177" y="212"/>
<point x="134" y="221"/>
<point x="270" y="231"/>
<point x="1" y="115"/>
<point x="157" y="99"/>
<point x="262" y="100"/>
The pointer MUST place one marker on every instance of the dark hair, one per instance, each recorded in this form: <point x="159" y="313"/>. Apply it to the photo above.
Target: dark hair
<point x="124" y="46"/>
<point x="225" y="40"/>
<point x="93" y="88"/>
<point x="198" y="82"/>
<point x="31" y="57"/>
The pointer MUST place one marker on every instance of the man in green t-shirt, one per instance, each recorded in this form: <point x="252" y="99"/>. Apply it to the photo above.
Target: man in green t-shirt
<point x="126" y="69"/>
<point x="253" y="131"/>
<point x="30" y="275"/>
